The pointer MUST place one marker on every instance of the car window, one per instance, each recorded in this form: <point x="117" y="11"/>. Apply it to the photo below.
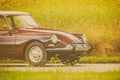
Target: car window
<point x="3" y="25"/>
<point x="25" y="21"/>
<point x="18" y="23"/>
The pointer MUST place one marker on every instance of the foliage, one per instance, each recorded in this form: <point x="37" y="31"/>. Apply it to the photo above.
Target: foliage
<point x="98" y="19"/>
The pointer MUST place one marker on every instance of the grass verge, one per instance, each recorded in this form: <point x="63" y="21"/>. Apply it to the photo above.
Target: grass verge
<point x="85" y="59"/>
<point x="58" y="75"/>
<point x="94" y="59"/>
<point x="8" y="60"/>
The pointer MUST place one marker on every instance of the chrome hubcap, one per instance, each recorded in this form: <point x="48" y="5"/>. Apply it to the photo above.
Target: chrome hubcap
<point x="35" y="54"/>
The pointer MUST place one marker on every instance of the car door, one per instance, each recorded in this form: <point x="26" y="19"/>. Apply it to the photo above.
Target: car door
<point x="7" y="41"/>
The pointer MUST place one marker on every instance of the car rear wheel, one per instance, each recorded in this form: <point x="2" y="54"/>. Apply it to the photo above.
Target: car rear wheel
<point x="35" y="54"/>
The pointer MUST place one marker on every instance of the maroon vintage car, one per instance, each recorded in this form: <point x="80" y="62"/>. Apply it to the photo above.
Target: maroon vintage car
<point x="21" y="37"/>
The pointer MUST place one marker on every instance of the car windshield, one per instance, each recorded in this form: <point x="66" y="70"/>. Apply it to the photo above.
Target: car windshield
<point x="24" y="21"/>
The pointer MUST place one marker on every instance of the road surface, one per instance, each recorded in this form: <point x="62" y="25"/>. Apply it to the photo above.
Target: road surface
<point x="61" y="67"/>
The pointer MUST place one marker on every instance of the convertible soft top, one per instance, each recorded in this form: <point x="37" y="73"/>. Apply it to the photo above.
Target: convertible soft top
<point x="12" y="13"/>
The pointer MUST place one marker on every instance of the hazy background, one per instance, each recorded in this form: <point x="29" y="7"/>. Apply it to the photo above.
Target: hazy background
<point x="98" y="19"/>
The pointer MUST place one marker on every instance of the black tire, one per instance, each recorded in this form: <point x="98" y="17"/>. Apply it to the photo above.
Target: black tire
<point x="69" y="60"/>
<point x="41" y="56"/>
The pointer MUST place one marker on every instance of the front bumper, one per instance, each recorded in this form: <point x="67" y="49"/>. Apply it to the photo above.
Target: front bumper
<point x="71" y="48"/>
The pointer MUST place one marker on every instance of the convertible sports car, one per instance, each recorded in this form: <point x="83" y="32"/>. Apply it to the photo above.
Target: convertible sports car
<point x="21" y="37"/>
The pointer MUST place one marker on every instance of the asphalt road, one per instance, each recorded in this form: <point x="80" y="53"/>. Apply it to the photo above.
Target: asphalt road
<point x="61" y="67"/>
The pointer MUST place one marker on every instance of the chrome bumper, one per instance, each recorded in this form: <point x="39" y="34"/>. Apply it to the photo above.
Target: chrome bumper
<point x="82" y="47"/>
<point x="72" y="48"/>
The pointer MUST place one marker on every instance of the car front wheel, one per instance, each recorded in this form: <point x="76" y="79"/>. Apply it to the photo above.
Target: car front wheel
<point x="35" y="54"/>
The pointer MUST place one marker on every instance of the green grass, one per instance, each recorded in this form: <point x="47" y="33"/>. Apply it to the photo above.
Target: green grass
<point x="85" y="59"/>
<point x="8" y="60"/>
<point x="94" y="59"/>
<point x="58" y="75"/>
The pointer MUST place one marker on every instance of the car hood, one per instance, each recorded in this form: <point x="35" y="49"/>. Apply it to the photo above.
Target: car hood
<point x="63" y="36"/>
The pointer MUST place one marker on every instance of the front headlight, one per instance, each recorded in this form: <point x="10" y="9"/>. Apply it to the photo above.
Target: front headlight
<point x="84" y="38"/>
<point x="54" y="39"/>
